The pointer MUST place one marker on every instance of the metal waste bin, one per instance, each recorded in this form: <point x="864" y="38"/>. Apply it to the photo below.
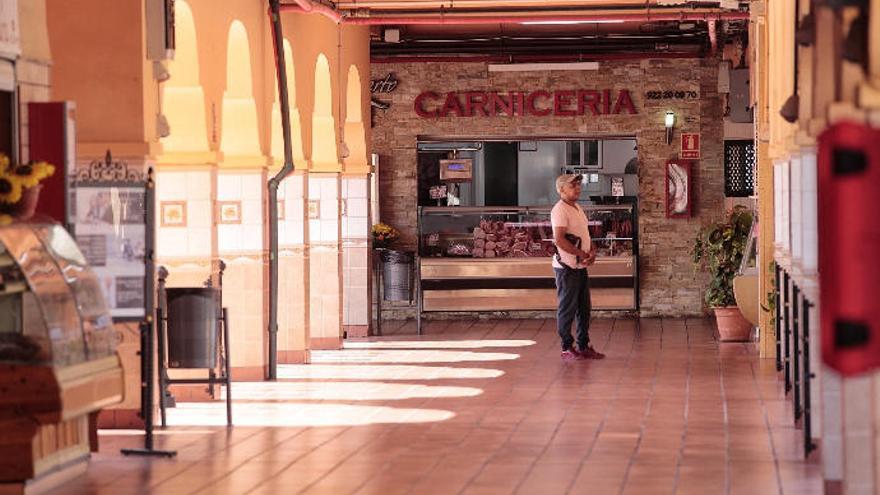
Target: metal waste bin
<point x="192" y="327"/>
<point x="397" y="274"/>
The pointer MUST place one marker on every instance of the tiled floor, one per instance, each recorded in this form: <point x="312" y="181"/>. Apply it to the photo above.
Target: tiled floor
<point x="488" y="408"/>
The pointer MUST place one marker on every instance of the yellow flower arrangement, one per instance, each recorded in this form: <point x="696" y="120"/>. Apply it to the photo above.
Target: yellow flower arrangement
<point x="14" y="179"/>
<point x="10" y="189"/>
<point x="384" y="234"/>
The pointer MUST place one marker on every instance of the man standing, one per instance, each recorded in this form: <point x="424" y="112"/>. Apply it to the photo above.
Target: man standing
<point x="571" y="234"/>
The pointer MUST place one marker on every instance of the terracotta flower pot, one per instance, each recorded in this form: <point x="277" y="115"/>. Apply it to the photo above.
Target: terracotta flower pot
<point x="27" y="205"/>
<point x="732" y="326"/>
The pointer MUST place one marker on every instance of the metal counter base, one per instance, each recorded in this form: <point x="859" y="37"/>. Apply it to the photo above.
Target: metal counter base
<point x="516" y="284"/>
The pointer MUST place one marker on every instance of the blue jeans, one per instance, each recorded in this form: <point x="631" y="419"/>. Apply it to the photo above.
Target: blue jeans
<point x="573" y="292"/>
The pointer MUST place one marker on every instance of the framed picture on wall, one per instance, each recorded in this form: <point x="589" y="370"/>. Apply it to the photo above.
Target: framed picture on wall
<point x="678" y="189"/>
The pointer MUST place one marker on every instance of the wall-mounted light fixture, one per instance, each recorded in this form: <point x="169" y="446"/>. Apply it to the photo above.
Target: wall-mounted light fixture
<point x="790" y="109"/>
<point x="670" y="123"/>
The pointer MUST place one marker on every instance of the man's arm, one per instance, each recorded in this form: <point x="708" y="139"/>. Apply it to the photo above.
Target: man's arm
<point x="566" y="245"/>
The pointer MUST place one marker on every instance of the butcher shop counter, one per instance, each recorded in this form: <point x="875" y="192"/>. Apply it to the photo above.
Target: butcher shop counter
<point x="499" y="259"/>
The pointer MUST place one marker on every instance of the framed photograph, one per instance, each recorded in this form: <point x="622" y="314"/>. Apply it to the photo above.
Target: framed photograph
<point x="678" y="189"/>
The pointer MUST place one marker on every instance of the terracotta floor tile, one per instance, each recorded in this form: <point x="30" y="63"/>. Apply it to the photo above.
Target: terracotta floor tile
<point x="487" y="407"/>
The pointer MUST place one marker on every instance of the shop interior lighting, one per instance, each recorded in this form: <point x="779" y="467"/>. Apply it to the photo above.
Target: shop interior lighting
<point x="543" y="67"/>
<point x="670" y="123"/>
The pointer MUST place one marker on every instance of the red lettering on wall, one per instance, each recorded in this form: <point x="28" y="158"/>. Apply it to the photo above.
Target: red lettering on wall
<point x="588" y="98"/>
<point x="530" y="103"/>
<point x="451" y="105"/>
<point x="474" y="100"/>
<point x="624" y="101"/>
<point x="519" y="103"/>
<point x="419" y="104"/>
<point x="561" y="101"/>
<point x="498" y="104"/>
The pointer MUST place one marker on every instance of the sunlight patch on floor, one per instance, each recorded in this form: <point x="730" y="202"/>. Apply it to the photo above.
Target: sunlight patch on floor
<point x="436" y="344"/>
<point x="354" y="371"/>
<point x="298" y="414"/>
<point x="368" y="356"/>
<point x="345" y="391"/>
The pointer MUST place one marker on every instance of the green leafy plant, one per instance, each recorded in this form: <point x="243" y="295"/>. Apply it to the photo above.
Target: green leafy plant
<point x="719" y="248"/>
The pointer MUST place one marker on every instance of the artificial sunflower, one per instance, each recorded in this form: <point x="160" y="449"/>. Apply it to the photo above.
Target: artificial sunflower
<point x="30" y="174"/>
<point x="10" y="189"/>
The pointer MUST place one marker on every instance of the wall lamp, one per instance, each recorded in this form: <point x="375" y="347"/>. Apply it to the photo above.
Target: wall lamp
<point x="670" y="122"/>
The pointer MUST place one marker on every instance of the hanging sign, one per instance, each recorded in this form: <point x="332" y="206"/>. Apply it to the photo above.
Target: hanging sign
<point x="690" y="146"/>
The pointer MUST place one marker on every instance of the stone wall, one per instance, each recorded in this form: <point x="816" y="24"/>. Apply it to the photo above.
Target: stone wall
<point x="668" y="285"/>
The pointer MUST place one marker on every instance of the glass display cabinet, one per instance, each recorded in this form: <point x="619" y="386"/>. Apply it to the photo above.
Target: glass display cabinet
<point x="58" y="362"/>
<point x="499" y="258"/>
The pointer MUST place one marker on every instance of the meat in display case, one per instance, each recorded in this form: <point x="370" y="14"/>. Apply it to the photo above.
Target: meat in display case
<point x="498" y="258"/>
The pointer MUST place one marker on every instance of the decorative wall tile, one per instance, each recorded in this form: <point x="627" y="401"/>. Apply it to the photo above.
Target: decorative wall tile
<point x="229" y="212"/>
<point x="172" y="214"/>
<point x="314" y="209"/>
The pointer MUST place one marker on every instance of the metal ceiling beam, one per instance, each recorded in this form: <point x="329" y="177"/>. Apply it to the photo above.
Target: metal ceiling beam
<point x="438" y="5"/>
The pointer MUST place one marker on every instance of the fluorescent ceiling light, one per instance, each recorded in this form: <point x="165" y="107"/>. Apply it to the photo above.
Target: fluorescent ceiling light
<point x="543" y="67"/>
<point x="598" y="21"/>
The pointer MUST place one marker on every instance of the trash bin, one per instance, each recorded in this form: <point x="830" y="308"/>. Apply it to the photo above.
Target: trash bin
<point x="397" y="274"/>
<point x="192" y="327"/>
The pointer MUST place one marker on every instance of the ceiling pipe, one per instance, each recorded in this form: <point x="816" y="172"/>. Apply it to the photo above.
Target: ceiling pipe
<point x="532" y="58"/>
<point x="308" y="7"/>
<point x="454" y="19"/>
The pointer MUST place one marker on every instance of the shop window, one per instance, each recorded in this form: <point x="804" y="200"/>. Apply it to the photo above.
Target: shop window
<point x="582" y="153"/>
<point x="739" y="168"/>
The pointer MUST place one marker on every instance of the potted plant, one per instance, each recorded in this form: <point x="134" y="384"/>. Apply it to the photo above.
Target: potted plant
<point x="719" y="249"/>
<point x="20" y="188"/>
<point x="384" y="235"/>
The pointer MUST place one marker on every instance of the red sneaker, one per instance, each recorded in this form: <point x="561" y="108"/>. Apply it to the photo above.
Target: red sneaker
<point x="590" y="353"/>
<point x="571" y="355"/>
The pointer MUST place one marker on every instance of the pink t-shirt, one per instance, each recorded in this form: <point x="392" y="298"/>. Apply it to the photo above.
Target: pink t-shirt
<point x="573" y="218"/>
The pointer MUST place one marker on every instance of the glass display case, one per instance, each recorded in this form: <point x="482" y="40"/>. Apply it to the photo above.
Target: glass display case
<point x="499" y="258"/>
<point x="57" y="312"/>
<point x="57" y="353"/>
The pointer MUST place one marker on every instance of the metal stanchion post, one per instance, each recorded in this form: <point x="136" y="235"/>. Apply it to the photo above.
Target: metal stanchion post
<point x="147" y="357"/>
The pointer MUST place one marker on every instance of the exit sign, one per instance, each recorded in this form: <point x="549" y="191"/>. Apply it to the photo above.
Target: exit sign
<point x="690" y="146"/>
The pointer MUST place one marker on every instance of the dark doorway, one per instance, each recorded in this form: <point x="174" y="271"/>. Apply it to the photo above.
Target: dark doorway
<point x="7" y="124"/>
<point x="429" y="174"/>
<point x="500" y="174"/>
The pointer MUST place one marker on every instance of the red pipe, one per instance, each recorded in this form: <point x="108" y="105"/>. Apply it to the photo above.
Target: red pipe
<point x="307" y="7"/>
<point x="455" y="19"/>
<point x="303" y="4"/>
<point x="531" y="58"/>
